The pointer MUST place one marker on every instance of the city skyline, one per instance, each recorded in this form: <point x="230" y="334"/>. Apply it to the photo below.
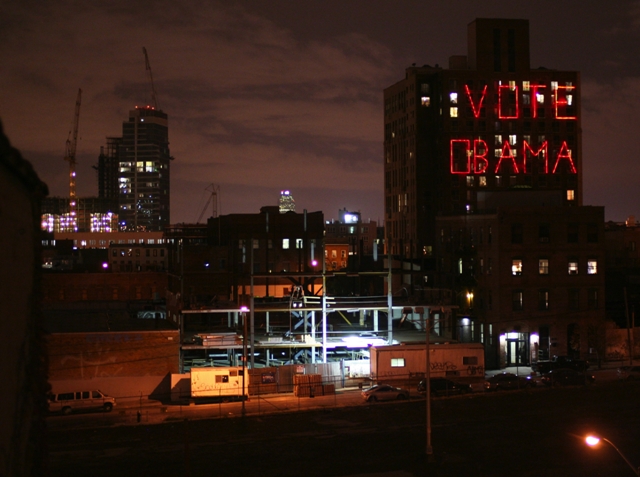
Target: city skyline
<point x="263" y="97"/>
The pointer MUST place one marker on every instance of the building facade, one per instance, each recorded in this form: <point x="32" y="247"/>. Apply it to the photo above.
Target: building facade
<point x="489" y="122"/>
<point x="530" y="280"/>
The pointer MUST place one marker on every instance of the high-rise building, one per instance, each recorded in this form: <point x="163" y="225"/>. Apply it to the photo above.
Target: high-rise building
<point x="136" y="168"/>
<point x="488" y="123"/>
<point x="286" y="202"/>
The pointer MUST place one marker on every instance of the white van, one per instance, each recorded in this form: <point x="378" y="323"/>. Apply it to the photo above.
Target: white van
<point x="66" y="403"/>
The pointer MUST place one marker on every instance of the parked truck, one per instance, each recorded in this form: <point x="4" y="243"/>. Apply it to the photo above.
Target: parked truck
<point x="224" y="383"/>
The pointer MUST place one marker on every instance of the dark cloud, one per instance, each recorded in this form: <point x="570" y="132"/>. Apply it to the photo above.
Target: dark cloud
<point x="264" y="96"/>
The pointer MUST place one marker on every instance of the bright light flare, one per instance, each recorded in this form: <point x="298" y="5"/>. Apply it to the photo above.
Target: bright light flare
<point x="592" y="441"/>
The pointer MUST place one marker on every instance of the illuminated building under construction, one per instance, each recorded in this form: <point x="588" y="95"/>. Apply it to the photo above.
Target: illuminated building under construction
<point x="134" y="170"/>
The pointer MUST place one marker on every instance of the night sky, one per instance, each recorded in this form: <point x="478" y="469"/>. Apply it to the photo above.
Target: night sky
<point x="273" y="94"/>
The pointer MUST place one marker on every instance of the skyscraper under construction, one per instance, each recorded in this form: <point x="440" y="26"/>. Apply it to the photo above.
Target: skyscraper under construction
<point x="135" y="171"/>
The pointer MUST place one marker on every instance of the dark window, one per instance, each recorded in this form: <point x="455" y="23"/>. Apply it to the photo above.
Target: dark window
<point x="572" y="233"/>
<point x="544" y="233"/>
<point x="470" y="360"/>
<point x="592" y="233"/>
<point x="517" y="300"/>
<point x="592" y="298"/>
<point x="497" y="66"/>
<point x="511" y="50"/>
<point x="543" y="300"/>
<point x="516" y="233"/>
<point x="574" y="298"/>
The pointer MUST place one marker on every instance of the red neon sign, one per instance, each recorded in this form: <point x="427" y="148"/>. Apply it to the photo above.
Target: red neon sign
<point x="506" y="103"/>
<point x="535" y="90"/>
<point x="455" y="161"/>
<point x="476" y="158"/>
<point x="506" y="154"/>
<point x="565" y="153"/>
<point x="561" y="101"/>
<point x="465" y="160"/>
<point x="544" y="149"/>
<point x="480" y="161"/>
<point x="476" y="110"/>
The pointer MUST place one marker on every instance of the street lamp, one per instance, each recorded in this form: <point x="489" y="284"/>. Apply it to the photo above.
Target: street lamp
<point x="243" y="310"/>
<point x="593" y="441"/>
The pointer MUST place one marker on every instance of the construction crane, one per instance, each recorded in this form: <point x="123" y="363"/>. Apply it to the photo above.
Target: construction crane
<point x="154" y="101"/>
<point x="213" y="198"/>
<point x="70" y="155"/>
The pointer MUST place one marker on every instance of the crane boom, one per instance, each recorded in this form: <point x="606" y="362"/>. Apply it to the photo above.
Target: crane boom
<point x="153" y="88"/>
<point x="70" y="155"/>
<point x="213" y="198"/>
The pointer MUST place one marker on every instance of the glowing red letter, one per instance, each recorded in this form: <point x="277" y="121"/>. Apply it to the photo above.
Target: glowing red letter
<point x="506" y="154"/>
<point x="460" y="156"/>
<point x="480" y="161"/>
<point x="565" y="153"/>
<point x="561" y="100"/>
<point x="476" y="110"/>
<point x="534" y="99"/>
<point x="543" y="148"/>
<point x="500" y="102"/>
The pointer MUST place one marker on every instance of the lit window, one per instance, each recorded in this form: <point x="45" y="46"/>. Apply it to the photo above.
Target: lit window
<point x="453" y="112"/>
<point x="539" y="98"/>
<point x="397" y="362"/>
<point x="516" y="266"/>
<point x="498" y="139"/>
<point x="299" y="243"/>
<point x="285" y="244"/>
<point x="543" y="266"/>
<point x="425" y="101"/>
<point x="592" y="267"/>
<point x="573" y="267"/>
<point x="469" y="181"/>
<point x="453" y="97"/>
<point x="526" y="85"/>
<point x="513" y="140"/>
<point x="512" y="85"/>
<point x="571" y="194"/>
<point x="554" y="85"/>
<point x="483" y="181"/>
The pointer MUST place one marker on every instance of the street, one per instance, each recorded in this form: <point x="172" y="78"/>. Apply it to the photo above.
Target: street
<point x="531" y="432"/>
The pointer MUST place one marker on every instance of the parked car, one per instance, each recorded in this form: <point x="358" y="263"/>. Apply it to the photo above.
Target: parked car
<point x="443" y="387"/>
<point x="629" y="372"/>
<point x="505" y="381"/>
<point x="558" y="362"/>
<point x="69" y="402"/>
<point x="567" y="377"/>
<point x="384" y="392"/>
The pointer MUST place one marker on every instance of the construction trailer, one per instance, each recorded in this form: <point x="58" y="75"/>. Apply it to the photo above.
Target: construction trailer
<point x="225" y="383"/>
<point x="463" y="360"/>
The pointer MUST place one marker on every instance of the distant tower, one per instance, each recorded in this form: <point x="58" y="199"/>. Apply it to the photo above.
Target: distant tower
<point x="287" y="204"/>
<point x="144" y="171"/>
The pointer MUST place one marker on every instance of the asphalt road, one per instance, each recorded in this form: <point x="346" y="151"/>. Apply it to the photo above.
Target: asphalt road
<point x="535" y="432"/>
